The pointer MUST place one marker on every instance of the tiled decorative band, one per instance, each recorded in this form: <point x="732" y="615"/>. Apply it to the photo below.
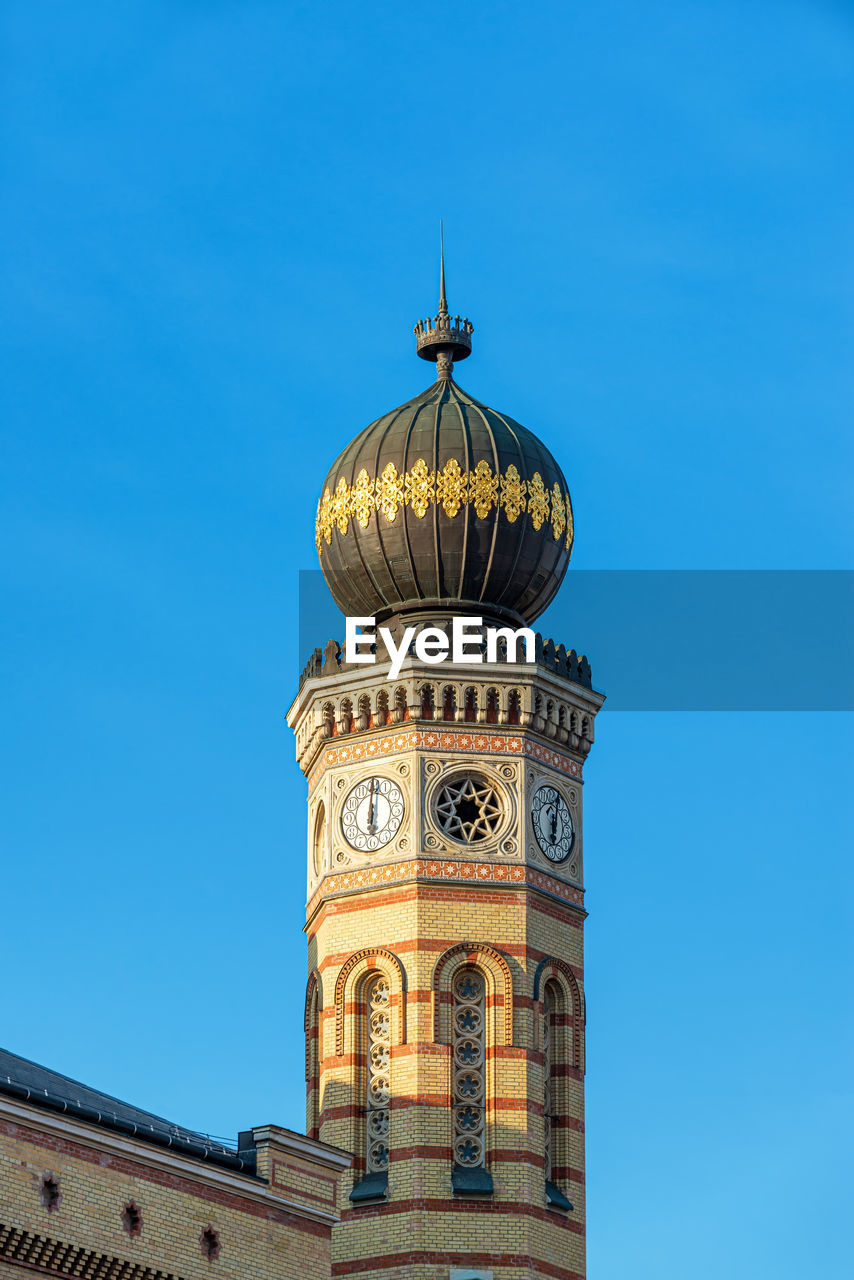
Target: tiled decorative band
<point x="477" y="743"/>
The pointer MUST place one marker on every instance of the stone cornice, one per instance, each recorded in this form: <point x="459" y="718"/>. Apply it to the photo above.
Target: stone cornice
<point x="304" y="1148"/>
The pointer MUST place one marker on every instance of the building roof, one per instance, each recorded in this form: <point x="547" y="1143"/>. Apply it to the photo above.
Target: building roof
<point x="42" y="1087"/>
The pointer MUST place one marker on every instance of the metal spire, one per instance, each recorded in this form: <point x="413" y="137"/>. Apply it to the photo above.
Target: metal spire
<point x="443" y="338"/>
<point x="443" y="302"/>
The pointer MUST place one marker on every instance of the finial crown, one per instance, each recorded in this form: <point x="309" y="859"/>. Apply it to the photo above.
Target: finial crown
<point x="443" y="338"/>
<point x="443" y="331"/>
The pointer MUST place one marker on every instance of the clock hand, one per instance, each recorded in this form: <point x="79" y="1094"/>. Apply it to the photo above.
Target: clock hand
<point x="372" y="821"/>
<point x="554" y="824"/>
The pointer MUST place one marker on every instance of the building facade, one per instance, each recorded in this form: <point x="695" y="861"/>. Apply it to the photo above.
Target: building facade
<point x="91" y="1187"/>
<point x="444" y="1010"/>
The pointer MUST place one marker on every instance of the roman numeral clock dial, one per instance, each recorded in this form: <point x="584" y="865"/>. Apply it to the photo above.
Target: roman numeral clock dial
<point x="373" y="812"/>
<point x="552" y="823"/>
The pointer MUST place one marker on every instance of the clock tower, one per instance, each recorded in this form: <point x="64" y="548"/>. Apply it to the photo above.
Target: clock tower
<point x="444" y="1011"/>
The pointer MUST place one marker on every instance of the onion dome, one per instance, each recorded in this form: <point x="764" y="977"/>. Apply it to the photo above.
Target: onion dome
<point x="444" y="504"/>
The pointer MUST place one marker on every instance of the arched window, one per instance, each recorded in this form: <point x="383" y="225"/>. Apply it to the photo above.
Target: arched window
<point x="312" y="1063"/>
<point x="370" y="1016"/>
<point x="513" y="707"/>
<point x="471" y="705"/>
<point x="548" y="1077"/>
<point x="555" y="1059"/>
<point x="492" y="706"/>
<point x="377" y="1072"/>
<point x="427" y="702"/>
<point x="469" y="1083"/>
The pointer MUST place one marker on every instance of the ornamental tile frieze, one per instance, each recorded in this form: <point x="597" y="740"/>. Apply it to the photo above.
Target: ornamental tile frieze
<point x="442" y="740"/>
<point x="451" y="488"/>
<point x="449" y="871"/>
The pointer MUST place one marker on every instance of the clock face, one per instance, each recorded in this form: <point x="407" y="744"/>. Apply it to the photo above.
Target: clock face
<point x="373" y="812"/>
<point x="552" y="824"/>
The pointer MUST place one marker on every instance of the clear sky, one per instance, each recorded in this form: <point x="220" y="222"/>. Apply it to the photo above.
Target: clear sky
<point x="218" y="227"/>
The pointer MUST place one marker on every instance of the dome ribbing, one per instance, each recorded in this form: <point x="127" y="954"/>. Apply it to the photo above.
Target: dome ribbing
<point x="444" y="503"/>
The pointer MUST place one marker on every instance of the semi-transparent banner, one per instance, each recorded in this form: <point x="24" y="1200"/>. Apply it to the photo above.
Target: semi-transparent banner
<point x="684" y="640"/>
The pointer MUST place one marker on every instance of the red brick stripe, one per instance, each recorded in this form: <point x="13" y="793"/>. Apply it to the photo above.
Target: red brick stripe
<point x="423" y="1152"/>
<point x="382" y="1262"/>
<point x="461" y="891"/>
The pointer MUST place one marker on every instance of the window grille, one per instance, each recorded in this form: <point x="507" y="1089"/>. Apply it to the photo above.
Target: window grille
<point x="469" y="1070"/>
<point x="378" y="1001"/>
<point x="548" y="1078"/>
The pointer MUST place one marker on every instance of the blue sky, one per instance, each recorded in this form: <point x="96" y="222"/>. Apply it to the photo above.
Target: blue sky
<point x="218" y="227"/>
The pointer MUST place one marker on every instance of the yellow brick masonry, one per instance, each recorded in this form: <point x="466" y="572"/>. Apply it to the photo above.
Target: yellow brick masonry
<point x="409" y="907"/>
<point x="264" y="1231"/>
<point x="419" y="929"/>
<point x="419" y="926"/>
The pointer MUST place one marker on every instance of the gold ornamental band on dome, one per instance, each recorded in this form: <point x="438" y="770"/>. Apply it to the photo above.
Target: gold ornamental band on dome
<point x="451" y="488"/>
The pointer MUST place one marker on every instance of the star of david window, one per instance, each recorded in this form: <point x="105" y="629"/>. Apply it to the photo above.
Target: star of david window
<point x="468" y="808"/>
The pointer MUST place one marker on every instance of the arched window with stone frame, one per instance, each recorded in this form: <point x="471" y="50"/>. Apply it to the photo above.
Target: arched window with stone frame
<point x="376" y="1075"/>
<point x="469" y="1082"/>
<point x="557" y="1048"/>
<point x="313" y="1008"/>
<point x="370" y="1018"/>
<point x="472" y="990"/>
<point x="551" y="1089"/>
